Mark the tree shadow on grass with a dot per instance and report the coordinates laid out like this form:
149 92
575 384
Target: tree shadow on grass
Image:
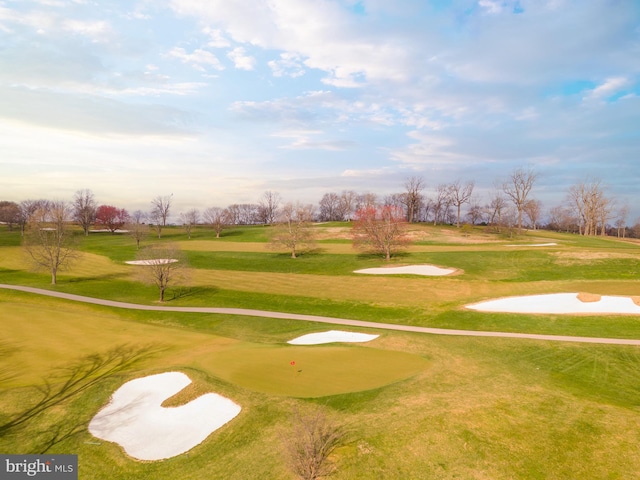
66 384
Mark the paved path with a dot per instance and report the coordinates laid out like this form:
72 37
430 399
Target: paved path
331 320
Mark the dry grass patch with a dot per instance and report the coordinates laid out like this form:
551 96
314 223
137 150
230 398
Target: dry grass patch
582 257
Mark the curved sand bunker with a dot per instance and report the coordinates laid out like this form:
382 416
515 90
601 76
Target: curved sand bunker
559 303
332 336
156 261
430 270
135 419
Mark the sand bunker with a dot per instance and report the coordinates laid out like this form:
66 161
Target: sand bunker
135 419
430 270
560 303
155 261
332 336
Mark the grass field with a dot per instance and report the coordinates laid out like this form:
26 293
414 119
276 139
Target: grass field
415 406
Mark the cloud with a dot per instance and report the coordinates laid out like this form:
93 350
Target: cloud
302 141
290 65
241 60
608 88
198 59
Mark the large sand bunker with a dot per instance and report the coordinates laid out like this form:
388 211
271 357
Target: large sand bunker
332 336
135 419
430 270
560 303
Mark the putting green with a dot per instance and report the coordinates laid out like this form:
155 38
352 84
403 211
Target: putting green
312 371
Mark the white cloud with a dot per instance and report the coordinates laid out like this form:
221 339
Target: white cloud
290 65
609 87
241 60
198 59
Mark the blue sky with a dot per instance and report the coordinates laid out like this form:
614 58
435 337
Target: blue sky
219 101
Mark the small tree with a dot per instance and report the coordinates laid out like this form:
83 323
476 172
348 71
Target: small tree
381 229
517 188
189 220
9 213
459 195
310 442
160 208
110 217
294 230
84 209
136 227
217 217
163 266
48 239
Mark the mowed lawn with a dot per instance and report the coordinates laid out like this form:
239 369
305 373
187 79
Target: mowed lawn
415 406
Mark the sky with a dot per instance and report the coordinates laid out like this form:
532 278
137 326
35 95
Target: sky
218 101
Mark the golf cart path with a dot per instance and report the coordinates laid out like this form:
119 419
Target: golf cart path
320 319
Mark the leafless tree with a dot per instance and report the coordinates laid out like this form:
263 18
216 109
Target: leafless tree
476 212
190 219
440 204
136 227
621 220
380 229
84 209
163 266
588 201
562 219
412 197
348 200
533 210
160 209
49 240
330 208
517 188
459 195
364 200
293 230
216 217
268 207
9 213
310 442
27 210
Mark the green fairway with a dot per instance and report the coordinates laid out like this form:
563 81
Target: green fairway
415 405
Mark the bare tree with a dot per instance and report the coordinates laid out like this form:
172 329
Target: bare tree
136 227
189 220
84 209
48 239
459 195
381 229
621 220
330 208
364 200
9 213
310 442
27 210
588 201
268 207
440 204
294 230
216 217
163 266
412 197
533 210
517 188
347 204
160 208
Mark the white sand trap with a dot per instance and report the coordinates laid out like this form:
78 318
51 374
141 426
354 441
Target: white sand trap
430 270
135 419
533 245
156 261
332 336
559 303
